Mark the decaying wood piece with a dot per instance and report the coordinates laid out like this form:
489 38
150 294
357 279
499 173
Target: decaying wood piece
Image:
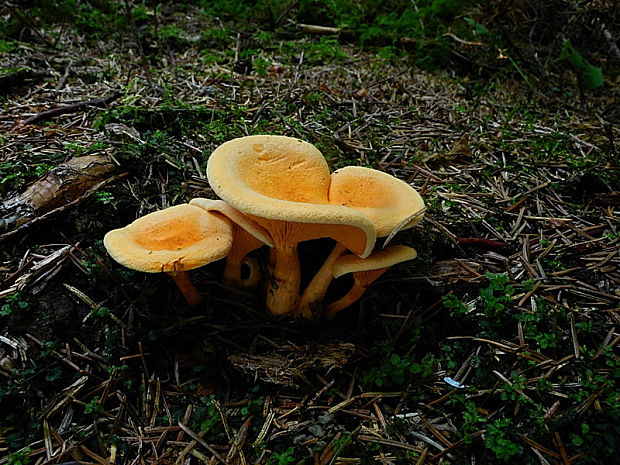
60 186
289 365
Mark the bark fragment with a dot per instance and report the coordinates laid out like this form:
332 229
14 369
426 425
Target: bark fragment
63 184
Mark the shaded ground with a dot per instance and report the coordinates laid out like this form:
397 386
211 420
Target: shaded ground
497 344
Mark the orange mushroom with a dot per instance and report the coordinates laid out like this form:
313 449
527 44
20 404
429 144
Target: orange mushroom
391 205
247 236
173 241
282 183
365 271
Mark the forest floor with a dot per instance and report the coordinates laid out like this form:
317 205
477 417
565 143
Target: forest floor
497 344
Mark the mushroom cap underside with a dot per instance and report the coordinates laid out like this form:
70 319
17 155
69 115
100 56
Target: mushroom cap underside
383 258
234 215
178 238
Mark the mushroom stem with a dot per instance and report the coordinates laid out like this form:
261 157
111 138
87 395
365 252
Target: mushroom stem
243 244
362 280
283 288
271 263
247 236
254 274
353 296
317 288
187 288
233 272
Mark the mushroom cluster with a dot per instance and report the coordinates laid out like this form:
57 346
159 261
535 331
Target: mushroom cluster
277 191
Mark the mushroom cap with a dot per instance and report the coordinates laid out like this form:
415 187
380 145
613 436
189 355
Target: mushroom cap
285 179
178 238
386 200
234 215
383 258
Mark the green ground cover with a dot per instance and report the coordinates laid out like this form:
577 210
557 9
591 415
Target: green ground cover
498 344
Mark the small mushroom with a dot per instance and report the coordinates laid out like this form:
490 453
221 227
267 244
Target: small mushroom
173 241
365 271
391 205
247 236
282 183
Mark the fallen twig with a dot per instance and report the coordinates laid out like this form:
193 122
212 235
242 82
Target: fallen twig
72 108
480 242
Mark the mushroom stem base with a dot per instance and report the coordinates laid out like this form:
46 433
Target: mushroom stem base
355 294
362 280
187 288
283 287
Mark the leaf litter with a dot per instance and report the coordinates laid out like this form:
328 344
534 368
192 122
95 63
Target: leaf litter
100 365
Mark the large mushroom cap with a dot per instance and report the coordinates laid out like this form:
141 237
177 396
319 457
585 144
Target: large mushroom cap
285 179
178 238
386 200
277 169
384 258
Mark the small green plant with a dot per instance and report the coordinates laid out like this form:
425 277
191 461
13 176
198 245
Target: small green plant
472 418
261 66
101 312
339 443
585 435
511 389
312 98
498 440
496 296
209 417
93 406
254 406
79 150
170 32
534 325
218 130
13 175
215 38
106 198
590 76
13 303
42 168
394 370
21 457
6 46
477 28
49 347
326 49
454 304
53 374
282 458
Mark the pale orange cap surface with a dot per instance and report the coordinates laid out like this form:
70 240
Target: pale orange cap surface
178 238
285 179
386 200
